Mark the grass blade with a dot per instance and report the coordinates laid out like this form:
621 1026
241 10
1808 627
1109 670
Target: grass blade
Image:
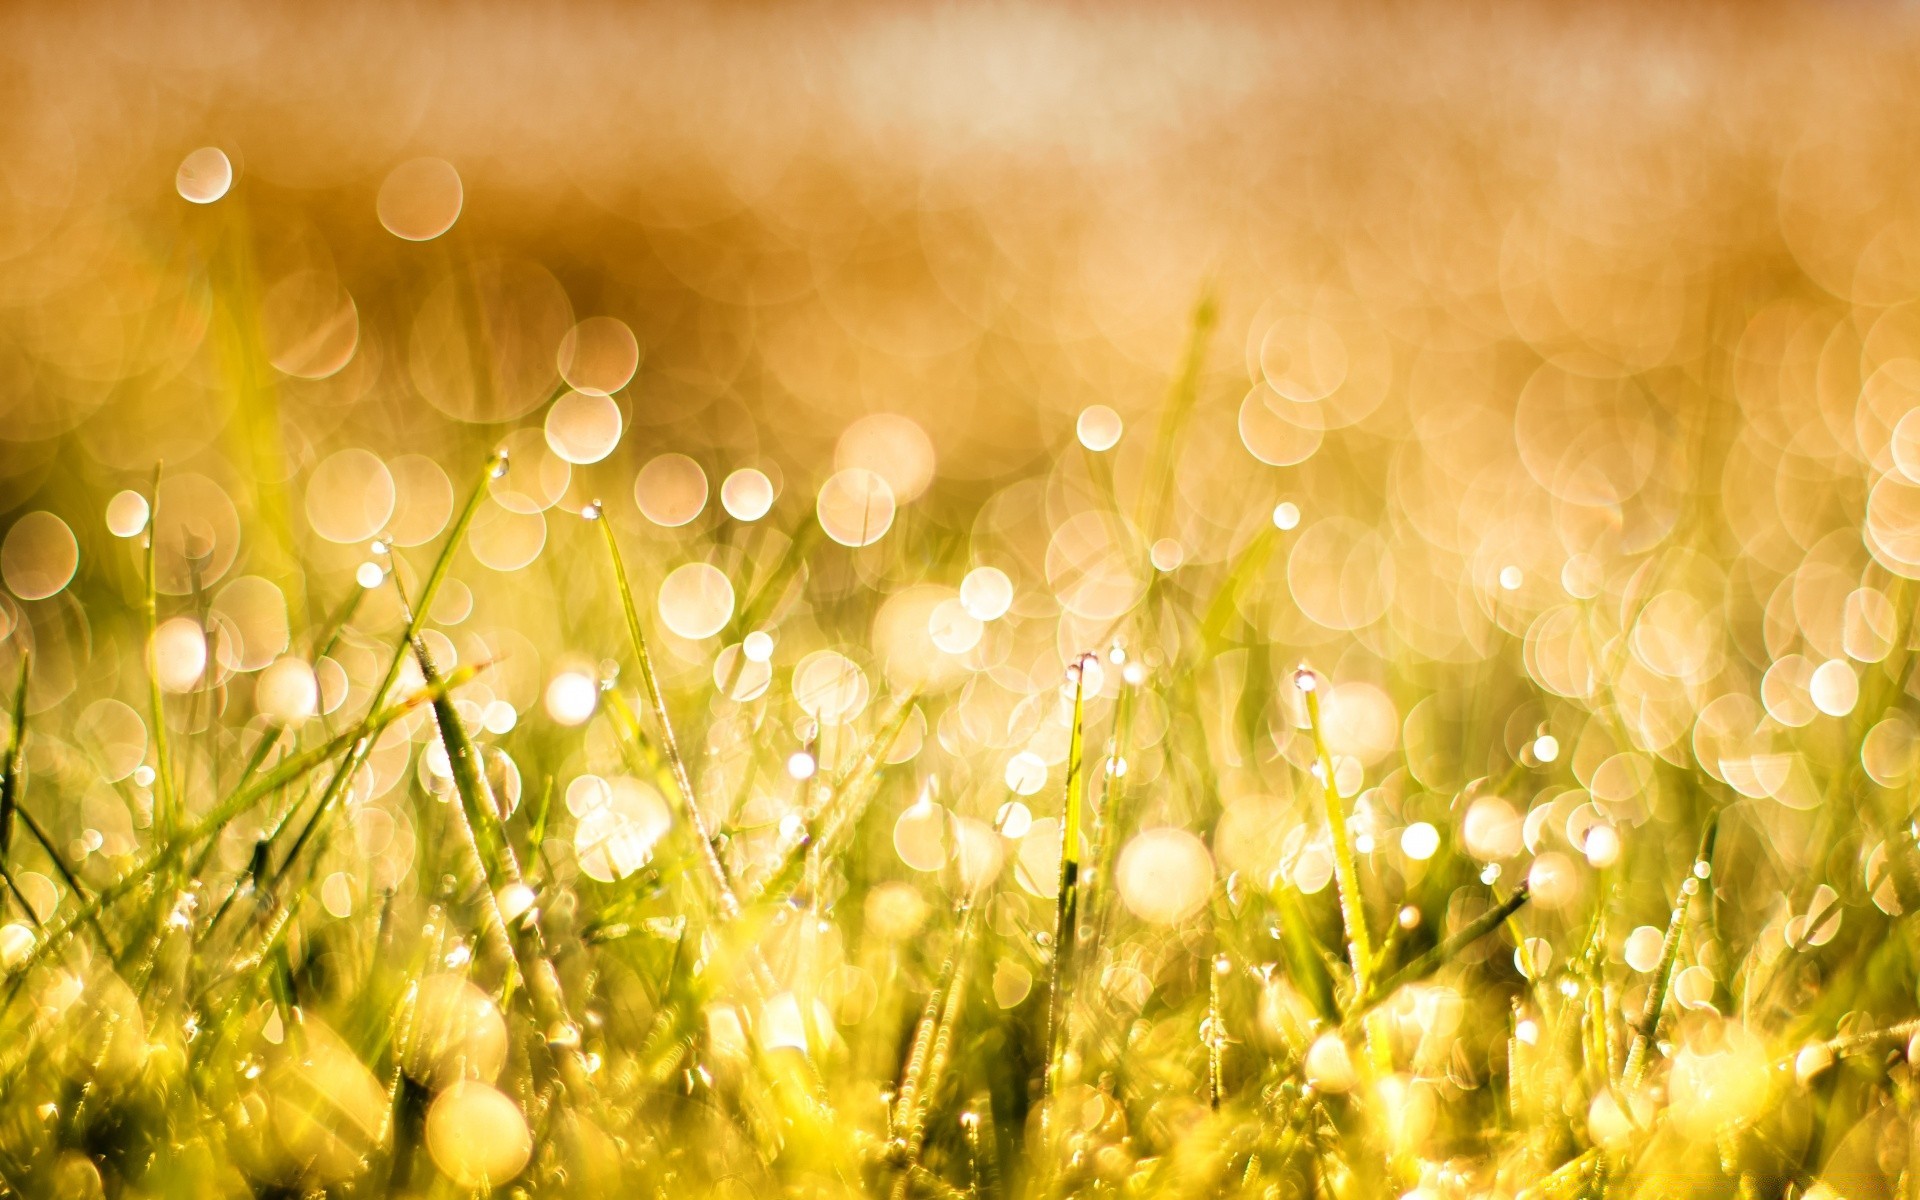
496 466
1067 905
165 800
727 900
932 1052
1644 1030
12 770
286 772
1346 871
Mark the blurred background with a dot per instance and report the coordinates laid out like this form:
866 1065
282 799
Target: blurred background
1571 350
1545 375
1562 349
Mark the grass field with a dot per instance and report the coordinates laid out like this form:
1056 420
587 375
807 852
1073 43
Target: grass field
997 602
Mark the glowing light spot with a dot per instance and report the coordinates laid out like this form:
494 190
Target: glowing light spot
583 427
422 500
1099 428
1011 983
1582 576
39 556
829 687
747 494
1711 1088
1277 430
505 540
336 895
741 677
515 901
1834 687
1419 841
309 325
178 655
891 446
953 628
587 793
204 175
855 507
116 735
455 1032
478 1136
1546 748
1491 829
800 765
986 593
1510 578
1554 881
16 943
1808 1064
420 200
196 533
1164 875
696 600
1786 691
671 490
127 514
1026 773
499 718
1037 863
920 836
571 697
1286 515
369 575
758 646
287 691
1313 869
1329 1066
616 836
1602 846
598 356
1167 554
1013 820
978 854
1693 988
1533 959
350 496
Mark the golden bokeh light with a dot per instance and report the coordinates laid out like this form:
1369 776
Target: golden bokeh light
969 601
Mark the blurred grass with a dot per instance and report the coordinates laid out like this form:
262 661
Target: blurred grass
1546 379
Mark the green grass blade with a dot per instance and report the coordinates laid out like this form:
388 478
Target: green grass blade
1067 903
1644 1030
165 797
288 770
13 769
495 467
726 899
1346 871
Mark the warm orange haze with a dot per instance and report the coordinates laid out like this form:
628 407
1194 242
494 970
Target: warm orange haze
959 601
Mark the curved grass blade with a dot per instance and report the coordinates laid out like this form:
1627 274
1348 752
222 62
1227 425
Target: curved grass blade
165 799
932 1052
727 901
1067 906
286 772
13 769
840 812
1442 954
1346 871
1644 1030
496 466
